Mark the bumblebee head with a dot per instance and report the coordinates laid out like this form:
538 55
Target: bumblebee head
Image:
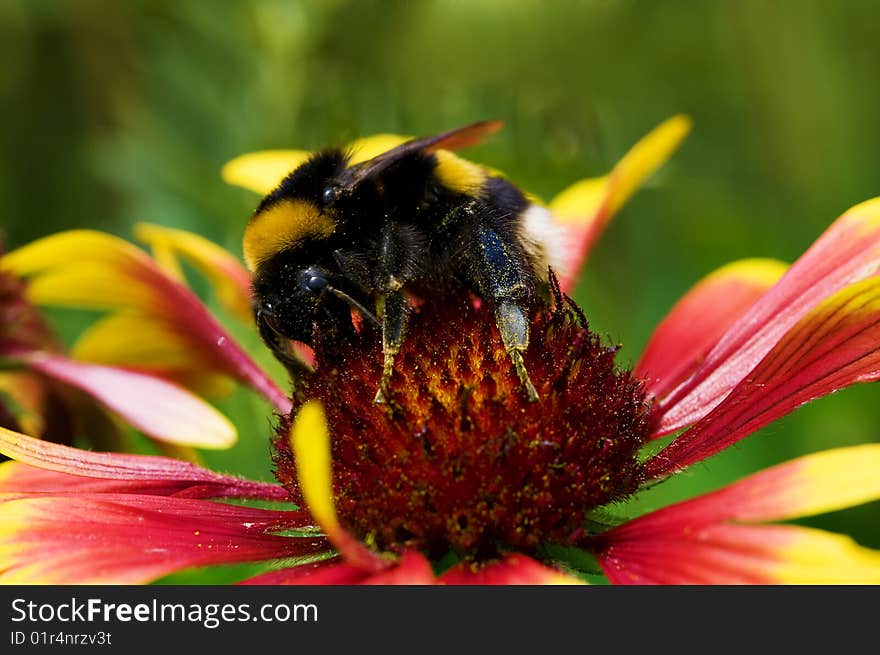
285 246
297 211
293 299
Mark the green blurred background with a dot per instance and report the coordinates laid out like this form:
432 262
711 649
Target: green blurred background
117 112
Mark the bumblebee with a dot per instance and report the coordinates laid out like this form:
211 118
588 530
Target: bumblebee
416 220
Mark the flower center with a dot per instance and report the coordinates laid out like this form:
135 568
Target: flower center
459 459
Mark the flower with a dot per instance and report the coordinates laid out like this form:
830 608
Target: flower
459 479
40 378
178 339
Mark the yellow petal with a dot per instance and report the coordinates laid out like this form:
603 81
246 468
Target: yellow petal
580 201
137 341
262 171
92 286
85 268
373 146
228 277
819 557
64 249
583 210
819 483
310 440
166 258
606 195
644 158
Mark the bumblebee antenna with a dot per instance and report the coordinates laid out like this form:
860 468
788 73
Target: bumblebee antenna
354 304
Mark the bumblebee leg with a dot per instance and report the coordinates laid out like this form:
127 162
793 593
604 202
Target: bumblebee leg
394 320
396 252
502 278
514 330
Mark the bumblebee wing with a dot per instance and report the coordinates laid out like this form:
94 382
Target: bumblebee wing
457 139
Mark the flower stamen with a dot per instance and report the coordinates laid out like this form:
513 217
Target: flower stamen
459 459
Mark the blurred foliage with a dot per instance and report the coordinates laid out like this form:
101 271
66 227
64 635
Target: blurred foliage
117 112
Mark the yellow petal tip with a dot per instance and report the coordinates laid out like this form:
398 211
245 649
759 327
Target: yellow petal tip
262 171
310 442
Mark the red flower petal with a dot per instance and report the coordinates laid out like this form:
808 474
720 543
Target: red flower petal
90 269
412 569
131 539
24 480
696 322
848 251
158 408
512 570
813 484
738 554
325 572
229 278
73 470
834 346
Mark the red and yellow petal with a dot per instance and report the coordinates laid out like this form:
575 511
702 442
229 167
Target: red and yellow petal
835 345
88 269
85 268
848 252
697 321
18 479
712 539
64 249
95 270
197 358
47 467
228 277
158 408
584 209
130 539
158 349
737 554
412 569
325 572
813 484
514 569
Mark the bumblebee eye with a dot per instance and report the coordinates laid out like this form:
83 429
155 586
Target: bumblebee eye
329 195
313 280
